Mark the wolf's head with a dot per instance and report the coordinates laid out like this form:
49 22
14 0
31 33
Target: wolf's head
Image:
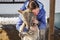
28 15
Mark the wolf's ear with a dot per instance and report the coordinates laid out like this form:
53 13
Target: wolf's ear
20 11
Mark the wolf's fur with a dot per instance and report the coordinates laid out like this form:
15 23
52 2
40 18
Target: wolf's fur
26 17
3 35
32 35
27 20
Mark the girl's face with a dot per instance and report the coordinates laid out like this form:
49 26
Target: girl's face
35 11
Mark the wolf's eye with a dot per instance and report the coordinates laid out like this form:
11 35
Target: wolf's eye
33 24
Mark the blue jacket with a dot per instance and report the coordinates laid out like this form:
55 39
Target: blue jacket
40 16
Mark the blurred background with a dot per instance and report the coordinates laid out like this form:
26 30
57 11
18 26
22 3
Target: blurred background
9 16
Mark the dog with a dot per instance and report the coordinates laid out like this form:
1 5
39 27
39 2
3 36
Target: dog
26 17
3 35
32 34
28 21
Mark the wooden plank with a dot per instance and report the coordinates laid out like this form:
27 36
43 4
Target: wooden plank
51 20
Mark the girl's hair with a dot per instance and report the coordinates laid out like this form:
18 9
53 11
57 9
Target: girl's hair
33 5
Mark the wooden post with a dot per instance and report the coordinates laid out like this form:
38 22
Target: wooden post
51 20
